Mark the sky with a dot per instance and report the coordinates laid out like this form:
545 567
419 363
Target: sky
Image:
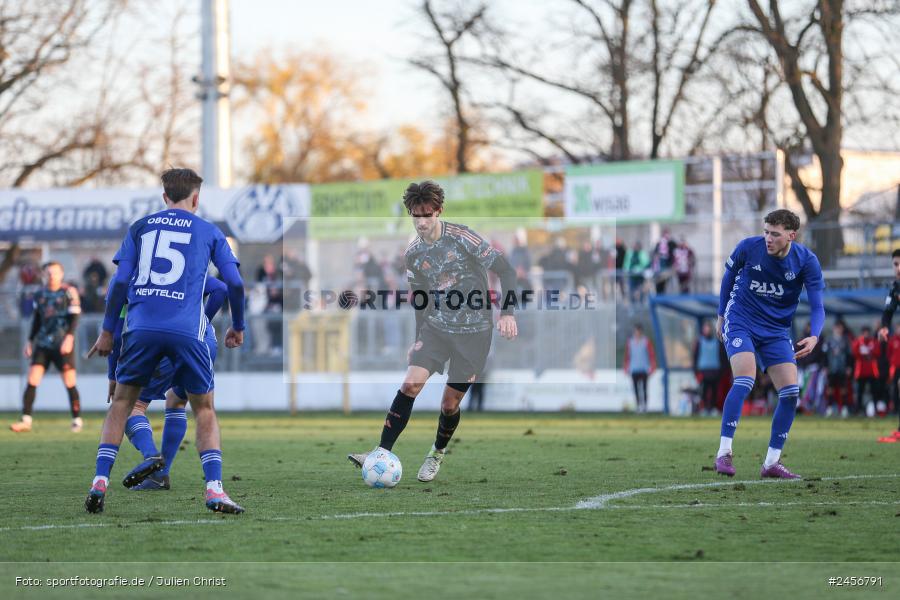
368 32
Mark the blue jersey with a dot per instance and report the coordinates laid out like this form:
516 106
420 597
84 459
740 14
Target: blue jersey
171 251
766 289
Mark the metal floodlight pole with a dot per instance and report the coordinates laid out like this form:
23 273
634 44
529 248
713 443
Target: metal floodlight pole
214 82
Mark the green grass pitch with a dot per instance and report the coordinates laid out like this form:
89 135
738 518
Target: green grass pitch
500 518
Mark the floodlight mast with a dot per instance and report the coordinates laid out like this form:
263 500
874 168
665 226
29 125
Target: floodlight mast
215 86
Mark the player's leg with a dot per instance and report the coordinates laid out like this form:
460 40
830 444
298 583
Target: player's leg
784 378
428 355
448 421
209 446
193 362
175 426
141 434
468 356
743 368
398 415
35 374
110 438
66 366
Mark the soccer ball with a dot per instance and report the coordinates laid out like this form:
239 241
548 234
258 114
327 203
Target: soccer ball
382 469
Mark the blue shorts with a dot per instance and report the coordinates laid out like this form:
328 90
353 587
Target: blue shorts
770 347
143 350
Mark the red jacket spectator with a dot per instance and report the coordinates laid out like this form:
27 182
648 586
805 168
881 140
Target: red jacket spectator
866 351
894 354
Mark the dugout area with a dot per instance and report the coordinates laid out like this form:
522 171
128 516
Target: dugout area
677 319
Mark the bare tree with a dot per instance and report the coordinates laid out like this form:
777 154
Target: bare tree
452 28
70 97
630 69
797 54
37 38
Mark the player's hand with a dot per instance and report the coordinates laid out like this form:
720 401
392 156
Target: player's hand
507 327
883 334
68 344
28 350
415 347
233 338
720 321
103 345
806 346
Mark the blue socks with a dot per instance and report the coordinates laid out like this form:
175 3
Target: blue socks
734 402
173 433
212 464
784 415
140 434
106 456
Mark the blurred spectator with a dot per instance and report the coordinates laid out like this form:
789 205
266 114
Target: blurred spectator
94 289
684 262
30 278
894 372
621 252
662 259
520 260
707 367
371 269
556 267
297 275
96 271
866 351
587 264
271 276
811 373
640 362
838 361
257 301
636 263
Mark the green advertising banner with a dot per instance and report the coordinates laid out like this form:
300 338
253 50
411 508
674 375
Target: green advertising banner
375 208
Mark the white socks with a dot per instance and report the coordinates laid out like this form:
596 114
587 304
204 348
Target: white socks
26 419
772 457
215 486
724 446
105 480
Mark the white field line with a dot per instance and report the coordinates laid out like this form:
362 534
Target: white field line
601 502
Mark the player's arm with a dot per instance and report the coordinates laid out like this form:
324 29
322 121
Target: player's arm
890 306
115 300
815 285
36 321
72 315
216 292
507 322
733 266
225 261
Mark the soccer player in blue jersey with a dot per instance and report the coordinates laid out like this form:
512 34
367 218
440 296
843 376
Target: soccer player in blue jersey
760 293
162 268
162 387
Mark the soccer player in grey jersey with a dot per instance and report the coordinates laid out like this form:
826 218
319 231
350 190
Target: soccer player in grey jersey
447 270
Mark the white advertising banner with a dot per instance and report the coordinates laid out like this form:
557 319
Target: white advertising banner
626 192
252 214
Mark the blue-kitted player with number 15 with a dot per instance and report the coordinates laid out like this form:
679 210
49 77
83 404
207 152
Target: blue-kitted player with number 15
162 268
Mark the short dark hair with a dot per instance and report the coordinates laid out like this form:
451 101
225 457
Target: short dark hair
783 217
51 263
425 193
866 329
896 253
180 183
